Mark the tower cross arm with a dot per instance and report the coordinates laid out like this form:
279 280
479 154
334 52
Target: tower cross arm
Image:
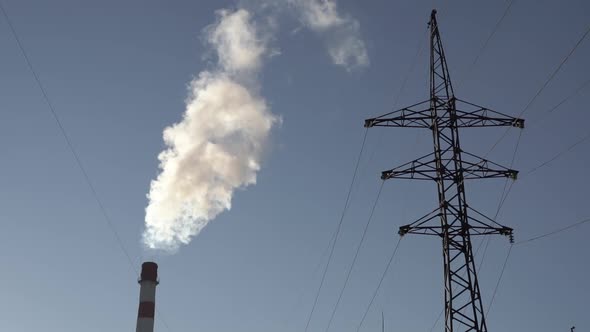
477 225
472 167
471 115
414 116
454 112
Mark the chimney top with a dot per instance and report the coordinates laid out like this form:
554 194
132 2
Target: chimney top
149 272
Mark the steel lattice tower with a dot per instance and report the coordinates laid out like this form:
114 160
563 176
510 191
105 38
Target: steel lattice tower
449 166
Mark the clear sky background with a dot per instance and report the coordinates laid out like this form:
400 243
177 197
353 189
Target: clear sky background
116 72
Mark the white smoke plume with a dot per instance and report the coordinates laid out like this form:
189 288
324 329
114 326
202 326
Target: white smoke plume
217 147
342 33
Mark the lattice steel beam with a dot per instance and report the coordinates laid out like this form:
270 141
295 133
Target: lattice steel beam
449 166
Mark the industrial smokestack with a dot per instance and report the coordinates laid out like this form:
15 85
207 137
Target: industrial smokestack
147 297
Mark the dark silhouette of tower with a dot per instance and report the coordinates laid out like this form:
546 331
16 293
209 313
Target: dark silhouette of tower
454 221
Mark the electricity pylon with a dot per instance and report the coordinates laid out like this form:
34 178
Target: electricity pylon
449 166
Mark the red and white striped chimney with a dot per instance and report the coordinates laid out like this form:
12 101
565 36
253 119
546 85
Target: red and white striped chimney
147 297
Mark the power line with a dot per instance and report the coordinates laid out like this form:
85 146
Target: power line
337 231
543 235
358 249
527 241
335 235
562 102
70 145
578 90
67 139
485 44
313 274
532 100
561 64
420 48
503 198
520 137
499 280
379 285
545 163
563 229
534 169
506 192
555 71
558 155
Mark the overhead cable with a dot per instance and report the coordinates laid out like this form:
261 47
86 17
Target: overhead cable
70 145
358 249
538 93
485 44
391 257
337 230
563 229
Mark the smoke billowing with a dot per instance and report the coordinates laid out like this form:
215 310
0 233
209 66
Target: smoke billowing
340 32
217 146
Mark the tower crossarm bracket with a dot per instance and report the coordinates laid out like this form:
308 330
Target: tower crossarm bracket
472 115
473 167
465 115
415 116
477 225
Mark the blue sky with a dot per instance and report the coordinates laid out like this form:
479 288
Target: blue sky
117 74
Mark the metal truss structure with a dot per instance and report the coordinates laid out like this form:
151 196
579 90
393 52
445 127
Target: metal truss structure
449 166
